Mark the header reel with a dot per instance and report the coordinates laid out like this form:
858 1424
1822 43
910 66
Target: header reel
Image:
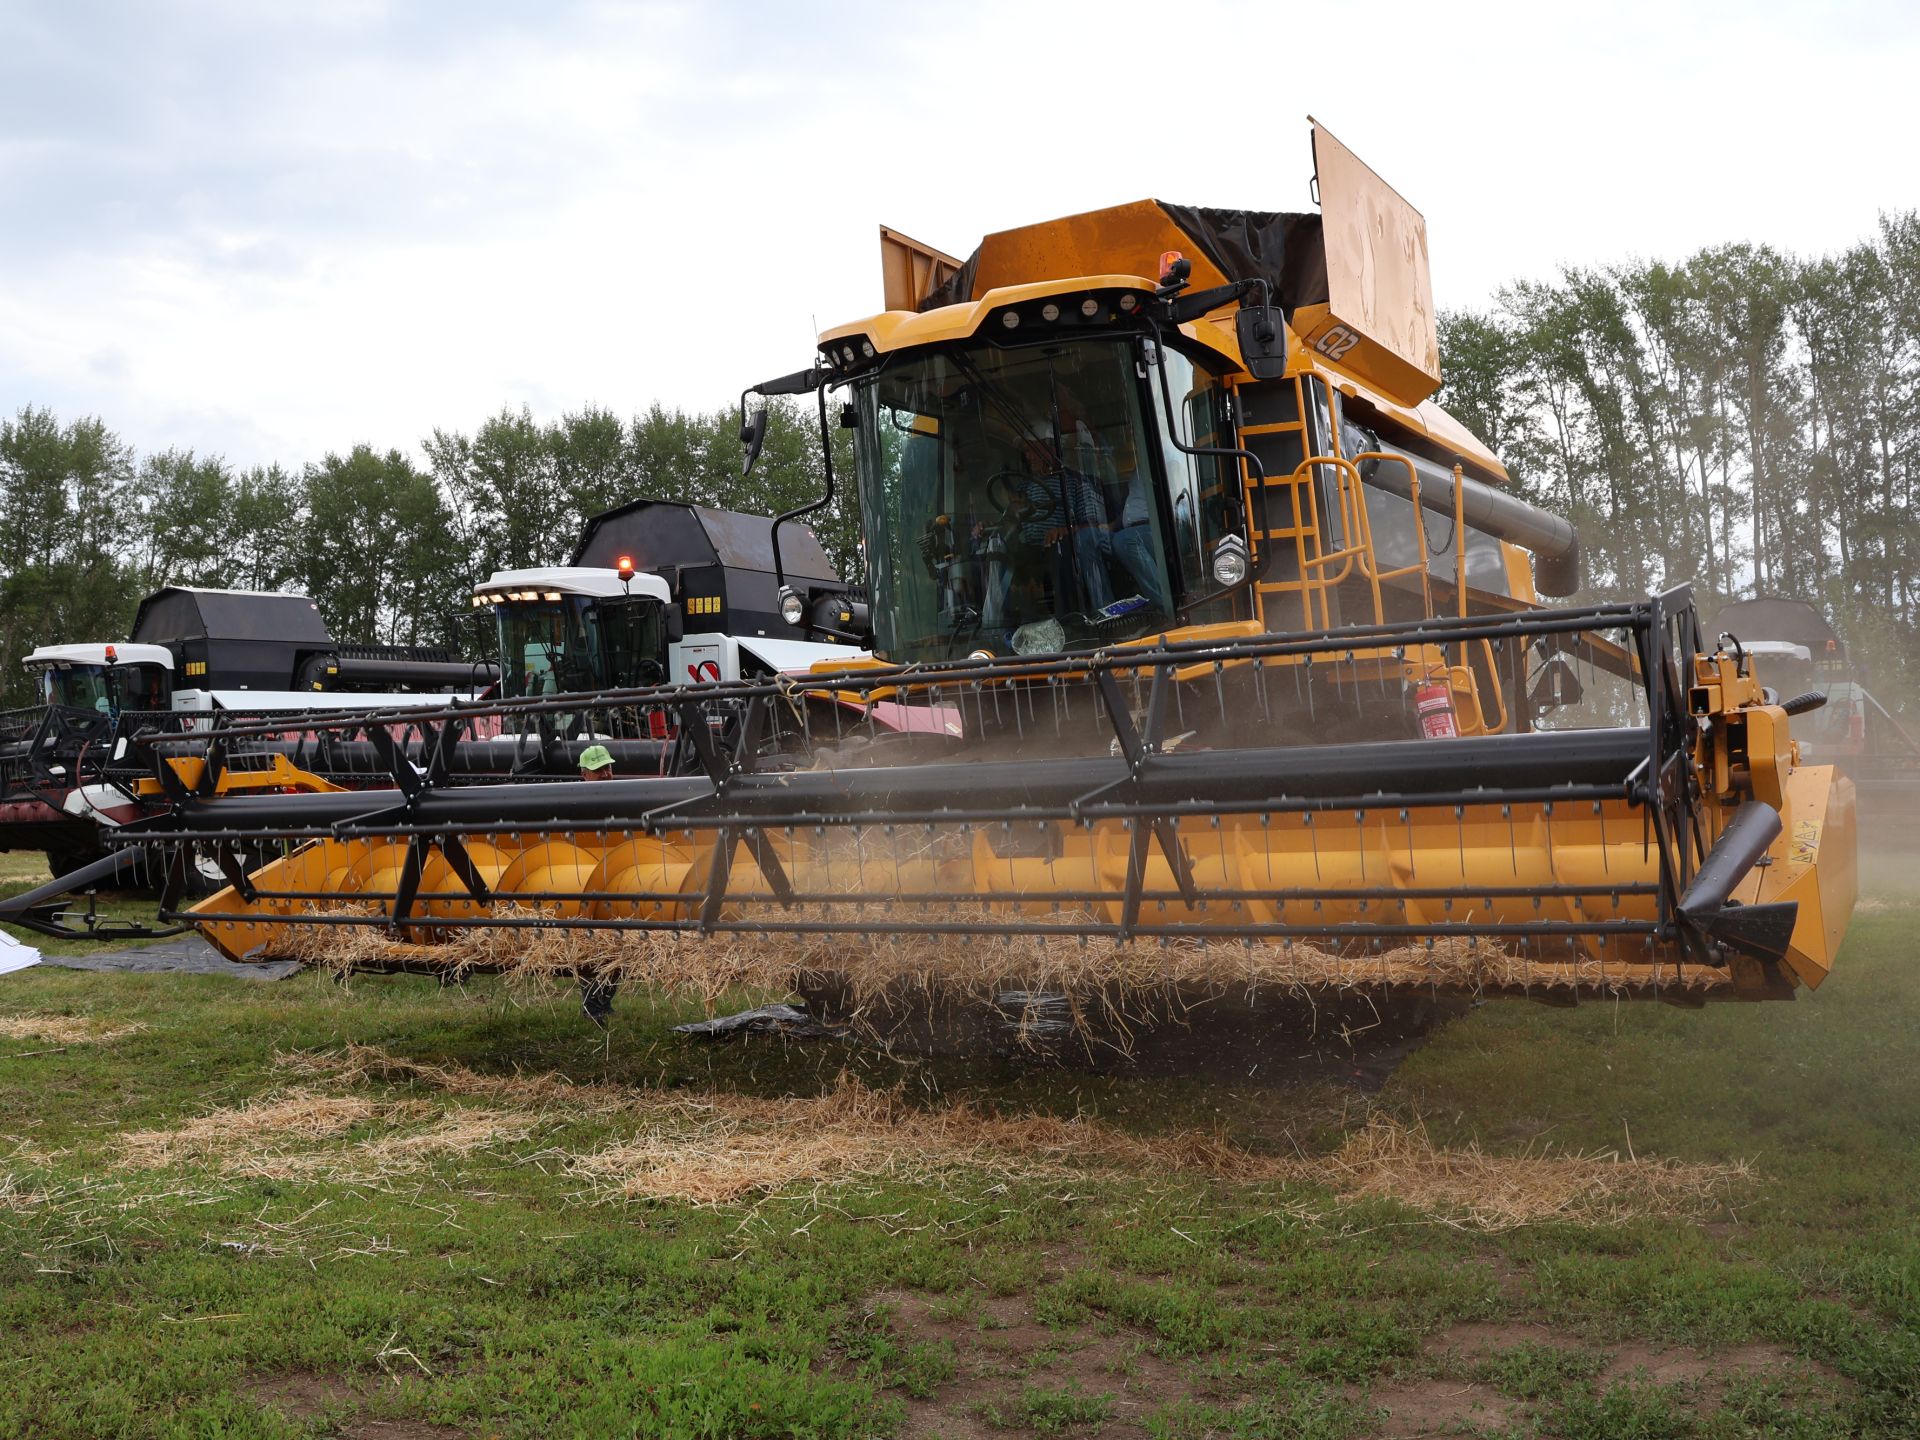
1651 856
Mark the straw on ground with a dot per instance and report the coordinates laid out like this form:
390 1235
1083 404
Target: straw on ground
65 1029
720 1147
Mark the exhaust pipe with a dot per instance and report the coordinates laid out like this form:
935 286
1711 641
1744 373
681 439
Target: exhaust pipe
1551 538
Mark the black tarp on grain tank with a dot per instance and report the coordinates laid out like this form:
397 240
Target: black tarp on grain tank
1282 248
704 554
247 640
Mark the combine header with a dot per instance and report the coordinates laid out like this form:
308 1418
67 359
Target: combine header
1223 663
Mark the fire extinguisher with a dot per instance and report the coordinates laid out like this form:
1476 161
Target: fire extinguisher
1434 702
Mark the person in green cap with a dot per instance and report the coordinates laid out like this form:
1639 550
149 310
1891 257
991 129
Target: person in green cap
596 763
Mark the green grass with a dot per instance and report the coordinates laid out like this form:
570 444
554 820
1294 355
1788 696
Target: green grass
497 1294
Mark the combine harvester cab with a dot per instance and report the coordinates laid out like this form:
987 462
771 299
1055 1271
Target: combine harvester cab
50 798
658 594
1226 668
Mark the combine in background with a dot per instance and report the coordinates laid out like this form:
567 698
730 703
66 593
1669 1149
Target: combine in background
1799 654
657 593
663 592
194 655
120 731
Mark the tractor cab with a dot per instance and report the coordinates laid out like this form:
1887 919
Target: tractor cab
1037 489
106 679
565 630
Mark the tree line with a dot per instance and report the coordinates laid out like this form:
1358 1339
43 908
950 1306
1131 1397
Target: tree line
1746 420
389 546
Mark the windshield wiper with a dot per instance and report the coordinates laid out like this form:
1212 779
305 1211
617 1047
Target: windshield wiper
1008 409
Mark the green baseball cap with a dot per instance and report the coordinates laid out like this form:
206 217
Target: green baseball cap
595 757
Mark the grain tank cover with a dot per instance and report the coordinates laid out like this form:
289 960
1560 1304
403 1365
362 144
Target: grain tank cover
178 613
1353 280
719 563
1282 249
243 639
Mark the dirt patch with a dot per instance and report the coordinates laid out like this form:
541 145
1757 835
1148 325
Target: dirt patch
303 1394
64 1029
1439 1407
1001 1349
955 1419
399 1430
1677 1365
308 1395
1512 1279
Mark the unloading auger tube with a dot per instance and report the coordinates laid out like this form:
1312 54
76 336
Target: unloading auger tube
1162 793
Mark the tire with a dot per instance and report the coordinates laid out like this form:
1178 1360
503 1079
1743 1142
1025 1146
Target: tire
63 860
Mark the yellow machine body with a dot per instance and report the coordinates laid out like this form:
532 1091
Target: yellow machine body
1526 893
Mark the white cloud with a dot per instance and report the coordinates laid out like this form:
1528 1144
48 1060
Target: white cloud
277 232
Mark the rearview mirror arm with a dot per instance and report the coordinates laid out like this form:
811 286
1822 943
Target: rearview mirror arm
826 497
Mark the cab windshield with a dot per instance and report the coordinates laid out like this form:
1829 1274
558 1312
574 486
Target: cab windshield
105 688
574 644
544 648
1013 501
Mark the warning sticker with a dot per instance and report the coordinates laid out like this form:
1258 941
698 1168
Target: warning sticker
1806 843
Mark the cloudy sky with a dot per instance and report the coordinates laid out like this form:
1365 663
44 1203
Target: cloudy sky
269 230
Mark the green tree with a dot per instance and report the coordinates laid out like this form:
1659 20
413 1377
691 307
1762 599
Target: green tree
507 503
265 522
593 461
181 521
62 571
377 549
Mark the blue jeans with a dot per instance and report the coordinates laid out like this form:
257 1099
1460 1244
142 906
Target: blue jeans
1091 547
1133 547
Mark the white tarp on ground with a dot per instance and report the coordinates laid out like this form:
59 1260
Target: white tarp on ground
14 955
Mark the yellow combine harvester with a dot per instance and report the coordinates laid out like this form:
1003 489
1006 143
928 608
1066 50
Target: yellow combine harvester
1211 649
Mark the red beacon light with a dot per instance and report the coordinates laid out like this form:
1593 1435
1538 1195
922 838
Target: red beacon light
112 655
624 567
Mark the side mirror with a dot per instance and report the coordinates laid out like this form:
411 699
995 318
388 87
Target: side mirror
1262 332
753 435
676 625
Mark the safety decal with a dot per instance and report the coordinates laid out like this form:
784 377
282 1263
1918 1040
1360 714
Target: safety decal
1806 842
